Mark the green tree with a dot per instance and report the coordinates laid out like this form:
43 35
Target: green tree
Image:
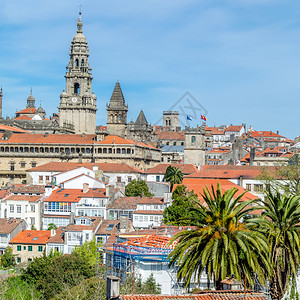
286 179
89 251
137 188
222 242
7 259
180 211
279 222
173 176
52 226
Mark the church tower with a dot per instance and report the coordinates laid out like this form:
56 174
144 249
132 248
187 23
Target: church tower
117 113
77 103
30 101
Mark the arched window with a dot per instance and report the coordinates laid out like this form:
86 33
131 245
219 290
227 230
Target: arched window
193 139
82 62
76 63
76 88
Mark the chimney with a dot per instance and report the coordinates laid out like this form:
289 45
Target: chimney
123 223
29 234
112 288
121 187
53 232
80 158
48 190
85 188
95 168
110 190
252 156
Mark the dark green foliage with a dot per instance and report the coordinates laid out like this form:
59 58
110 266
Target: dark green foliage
51 275
15 288
279 222
139 287
173 176
180 210
222 241
52 226
137 189
89 289
7 259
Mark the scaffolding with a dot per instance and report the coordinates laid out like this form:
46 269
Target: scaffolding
122 257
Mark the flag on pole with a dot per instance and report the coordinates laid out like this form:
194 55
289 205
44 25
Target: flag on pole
189 118
203 118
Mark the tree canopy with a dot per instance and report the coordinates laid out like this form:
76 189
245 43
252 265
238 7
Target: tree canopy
174 176
137 188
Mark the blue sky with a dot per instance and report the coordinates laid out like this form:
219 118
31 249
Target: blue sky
239 58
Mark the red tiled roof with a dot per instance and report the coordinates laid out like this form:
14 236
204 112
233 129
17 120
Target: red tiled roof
65 195
27 111
161 168
151 200
102 230
171 135
215 130
124 203
234 128
58 238
205 295
257 134
8 225
230 172
93 226
56 139
11 128
116 140
198 184
94 193
67 166
34 189
39 237
23 118
30 198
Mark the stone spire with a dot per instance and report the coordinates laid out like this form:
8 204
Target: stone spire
79 24
117 99
141 119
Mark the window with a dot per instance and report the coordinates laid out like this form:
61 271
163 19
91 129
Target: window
47 179
258 188
76 88
82 221
136 218
87 236
157 267
18 260
23 164
41 179
119 179
24 247
29 248
193 139
12 166
32 208
129 178
174 143
11 208
18 209
145 218
32 221
19 248
157 178
33 164
248 187
40 248
141 218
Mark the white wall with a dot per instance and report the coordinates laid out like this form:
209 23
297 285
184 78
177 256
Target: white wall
77 183
61 177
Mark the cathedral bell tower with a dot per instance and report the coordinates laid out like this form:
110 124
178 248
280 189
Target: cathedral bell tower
78 108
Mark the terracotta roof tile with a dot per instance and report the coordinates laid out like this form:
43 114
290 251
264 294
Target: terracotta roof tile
161 168
151 200
8 225
171 135
58 238
128 203
93 226
102 230
198 184
148 212
11 128
236 128
34 189
27 111
30 198
23 118
65 195
39 237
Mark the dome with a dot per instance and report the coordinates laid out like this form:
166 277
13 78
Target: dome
31 97
36 117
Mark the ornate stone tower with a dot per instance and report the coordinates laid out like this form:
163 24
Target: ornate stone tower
30 101
117 113
194 146
78 104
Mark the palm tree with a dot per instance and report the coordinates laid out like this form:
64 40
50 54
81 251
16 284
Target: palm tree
173 176
222 242
279 222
